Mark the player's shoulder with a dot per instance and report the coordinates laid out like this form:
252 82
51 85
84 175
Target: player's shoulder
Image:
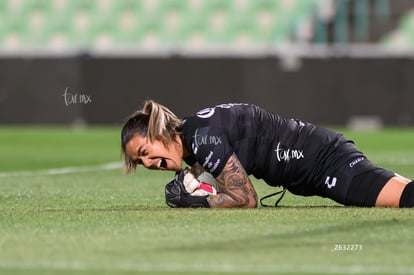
221 115
227 109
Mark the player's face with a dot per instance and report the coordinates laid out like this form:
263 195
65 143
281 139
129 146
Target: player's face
154 155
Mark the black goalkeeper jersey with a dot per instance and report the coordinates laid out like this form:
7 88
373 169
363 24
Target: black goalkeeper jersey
282 152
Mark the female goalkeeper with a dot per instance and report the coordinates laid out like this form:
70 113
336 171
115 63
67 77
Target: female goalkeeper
233 141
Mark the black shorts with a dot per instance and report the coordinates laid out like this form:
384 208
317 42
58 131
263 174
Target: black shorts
352 179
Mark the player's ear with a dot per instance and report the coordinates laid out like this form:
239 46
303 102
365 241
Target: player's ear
179 142
177 139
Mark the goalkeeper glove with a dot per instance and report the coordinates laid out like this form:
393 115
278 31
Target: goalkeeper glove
176 196
200 186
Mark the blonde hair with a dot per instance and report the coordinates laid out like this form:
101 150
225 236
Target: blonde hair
154 121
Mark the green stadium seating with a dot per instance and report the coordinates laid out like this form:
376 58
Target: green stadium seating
403 37
141 24
407 28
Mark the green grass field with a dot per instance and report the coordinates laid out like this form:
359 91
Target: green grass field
66 207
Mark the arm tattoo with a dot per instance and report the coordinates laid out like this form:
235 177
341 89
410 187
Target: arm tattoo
235 186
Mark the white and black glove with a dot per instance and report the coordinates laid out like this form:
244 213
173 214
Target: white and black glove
199 184
177 196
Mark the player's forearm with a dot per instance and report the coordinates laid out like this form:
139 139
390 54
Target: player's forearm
235 187
236 191
223 200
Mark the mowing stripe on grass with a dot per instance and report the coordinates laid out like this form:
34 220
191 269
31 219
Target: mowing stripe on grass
63 170
211 267
391 160
117 165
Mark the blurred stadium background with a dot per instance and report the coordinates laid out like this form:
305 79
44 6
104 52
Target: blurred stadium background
87 62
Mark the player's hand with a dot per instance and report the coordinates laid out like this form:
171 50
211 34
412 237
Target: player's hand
176 196
174 190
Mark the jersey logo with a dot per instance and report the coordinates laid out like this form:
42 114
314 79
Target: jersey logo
286 154
205 139
206 113
330 184
209 112
356 161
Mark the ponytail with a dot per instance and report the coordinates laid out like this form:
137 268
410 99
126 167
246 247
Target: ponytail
154 121
162 122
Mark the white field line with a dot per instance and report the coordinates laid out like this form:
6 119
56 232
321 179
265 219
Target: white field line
222 268
63 170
